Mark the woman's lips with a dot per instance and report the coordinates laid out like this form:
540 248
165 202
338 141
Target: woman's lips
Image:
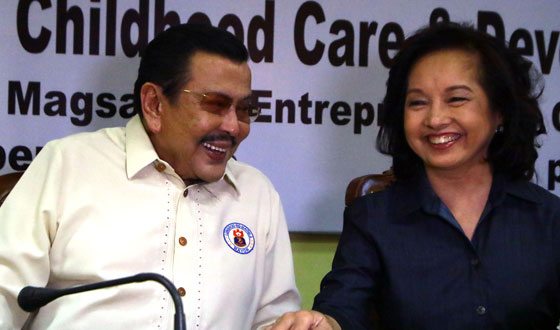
443 138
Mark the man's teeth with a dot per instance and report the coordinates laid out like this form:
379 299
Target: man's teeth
443 139
213 148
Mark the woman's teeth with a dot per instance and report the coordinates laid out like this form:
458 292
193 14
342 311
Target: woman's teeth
443 139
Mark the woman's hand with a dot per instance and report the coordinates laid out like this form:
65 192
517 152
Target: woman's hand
304 320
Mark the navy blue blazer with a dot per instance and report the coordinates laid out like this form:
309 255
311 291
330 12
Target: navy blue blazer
402 253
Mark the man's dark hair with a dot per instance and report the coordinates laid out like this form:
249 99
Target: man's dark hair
509 81
165 59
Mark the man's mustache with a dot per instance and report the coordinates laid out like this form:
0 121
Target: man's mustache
220 137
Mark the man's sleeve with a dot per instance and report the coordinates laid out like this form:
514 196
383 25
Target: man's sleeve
27 224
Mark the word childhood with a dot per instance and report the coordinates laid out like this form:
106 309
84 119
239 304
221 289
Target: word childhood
339 41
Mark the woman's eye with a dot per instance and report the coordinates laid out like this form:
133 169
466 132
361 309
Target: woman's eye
457 99
415 103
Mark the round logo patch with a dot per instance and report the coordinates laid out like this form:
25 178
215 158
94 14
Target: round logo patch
239 237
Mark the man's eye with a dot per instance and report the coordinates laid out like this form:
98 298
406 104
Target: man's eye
244 107
217 102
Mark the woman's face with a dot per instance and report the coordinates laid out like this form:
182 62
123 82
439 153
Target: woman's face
447 118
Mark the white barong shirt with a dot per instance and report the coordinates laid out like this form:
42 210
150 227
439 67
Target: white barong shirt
102 205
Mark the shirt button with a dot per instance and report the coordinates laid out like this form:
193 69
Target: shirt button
182 241
475 262
185 193
160 167
182 292
481 310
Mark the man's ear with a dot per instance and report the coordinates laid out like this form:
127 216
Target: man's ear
151 98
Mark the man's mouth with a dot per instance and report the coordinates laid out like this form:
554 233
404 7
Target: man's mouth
218 143
214 148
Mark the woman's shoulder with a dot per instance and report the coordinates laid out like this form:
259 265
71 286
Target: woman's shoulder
395 197
534 193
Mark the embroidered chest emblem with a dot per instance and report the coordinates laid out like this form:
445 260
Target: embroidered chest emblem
239 237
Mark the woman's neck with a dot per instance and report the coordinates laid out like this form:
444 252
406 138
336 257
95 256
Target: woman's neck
473 179
465 194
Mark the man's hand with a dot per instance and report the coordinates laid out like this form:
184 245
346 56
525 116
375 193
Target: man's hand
304 320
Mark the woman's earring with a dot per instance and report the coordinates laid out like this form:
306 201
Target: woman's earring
500 129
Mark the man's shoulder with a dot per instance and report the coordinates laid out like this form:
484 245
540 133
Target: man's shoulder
104 136
244 171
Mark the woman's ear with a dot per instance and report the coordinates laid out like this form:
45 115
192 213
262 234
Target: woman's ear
151 98
500 122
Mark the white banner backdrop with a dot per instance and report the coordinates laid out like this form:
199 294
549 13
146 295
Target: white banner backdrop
319 68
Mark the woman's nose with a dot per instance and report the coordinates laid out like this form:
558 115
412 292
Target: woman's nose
437 115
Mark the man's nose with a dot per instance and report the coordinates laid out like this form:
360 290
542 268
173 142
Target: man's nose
230 121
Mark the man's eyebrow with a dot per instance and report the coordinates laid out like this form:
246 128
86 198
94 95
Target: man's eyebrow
243 98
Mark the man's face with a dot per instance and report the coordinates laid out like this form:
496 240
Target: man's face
189 135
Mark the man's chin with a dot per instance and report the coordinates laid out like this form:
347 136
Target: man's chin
212 175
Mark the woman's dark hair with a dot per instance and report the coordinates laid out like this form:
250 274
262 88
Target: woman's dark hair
508 79
165 59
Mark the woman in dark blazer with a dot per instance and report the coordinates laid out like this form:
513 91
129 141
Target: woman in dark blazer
463 239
